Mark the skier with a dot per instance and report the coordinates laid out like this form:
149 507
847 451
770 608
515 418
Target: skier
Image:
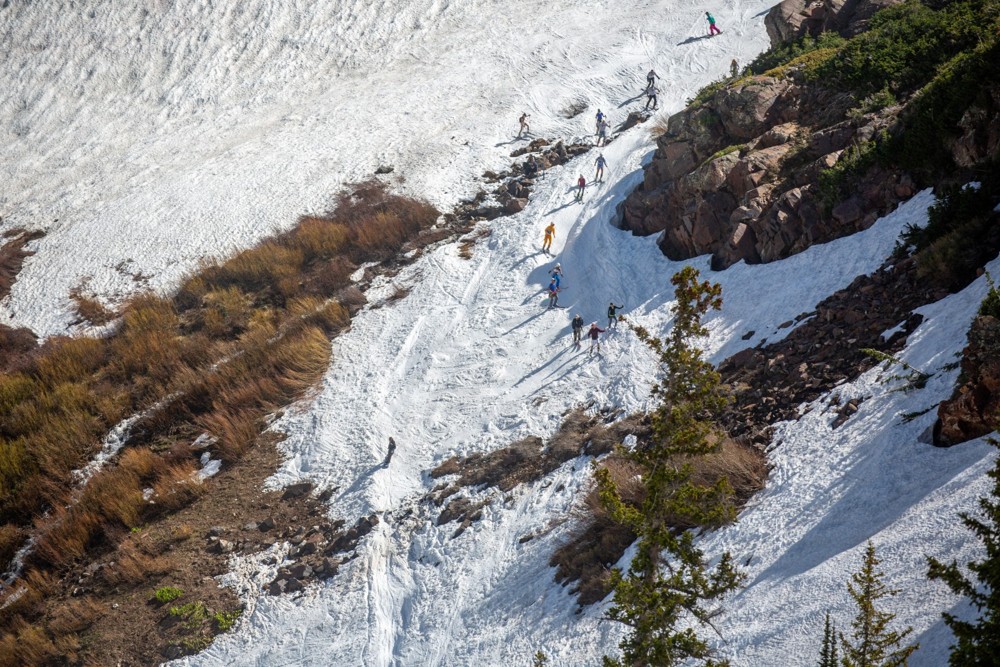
556 274
550 233
523 120
712 30
595 337
600 119
577 330
651 77
388 456
602 133
581 184
553 294
601 164
651 97
612 317
734 68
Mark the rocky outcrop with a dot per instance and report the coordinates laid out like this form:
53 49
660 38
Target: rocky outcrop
736 176
771 382
974 409
980 126
792 19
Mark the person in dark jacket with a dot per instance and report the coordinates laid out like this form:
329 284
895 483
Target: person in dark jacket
612 317
577 329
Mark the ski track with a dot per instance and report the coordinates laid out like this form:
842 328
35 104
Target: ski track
146 138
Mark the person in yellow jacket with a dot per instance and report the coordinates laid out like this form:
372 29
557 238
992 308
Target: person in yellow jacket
550 233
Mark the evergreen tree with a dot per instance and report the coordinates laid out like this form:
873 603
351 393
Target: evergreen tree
828 652
541 660
977 643
669 581
872 644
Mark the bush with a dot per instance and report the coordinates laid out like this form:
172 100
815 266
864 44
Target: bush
990 307
167 594
904 46
784 54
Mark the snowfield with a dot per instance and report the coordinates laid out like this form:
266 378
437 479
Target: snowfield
163 133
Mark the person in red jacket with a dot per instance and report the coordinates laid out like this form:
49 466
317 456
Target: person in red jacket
581 184
595 337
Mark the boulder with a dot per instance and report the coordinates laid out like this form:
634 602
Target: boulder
972 410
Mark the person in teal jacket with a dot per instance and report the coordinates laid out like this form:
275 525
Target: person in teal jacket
712 30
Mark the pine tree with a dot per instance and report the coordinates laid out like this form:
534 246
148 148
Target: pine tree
872 644
828 652
669 581
977 643
541 660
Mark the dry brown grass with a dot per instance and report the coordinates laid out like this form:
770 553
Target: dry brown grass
27 646
133 565
470 241
241 339
89 308
226 312
177 486
11 539
599 542
75 615
319 238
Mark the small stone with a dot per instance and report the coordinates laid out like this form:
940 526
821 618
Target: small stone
215 531
266 525
293 586
301 571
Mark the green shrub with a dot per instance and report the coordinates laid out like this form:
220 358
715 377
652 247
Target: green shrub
167 594
781 56
904 46
225 620
991 302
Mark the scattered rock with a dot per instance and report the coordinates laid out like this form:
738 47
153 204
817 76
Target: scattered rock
384 169
297 490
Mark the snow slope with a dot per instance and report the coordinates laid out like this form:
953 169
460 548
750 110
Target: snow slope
145 136
162 133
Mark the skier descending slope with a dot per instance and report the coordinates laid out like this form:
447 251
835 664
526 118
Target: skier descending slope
612 317
595 337
651 77
581 185
553 290
601 164
550 233
556 274
577 330
525 128
651 97
712 30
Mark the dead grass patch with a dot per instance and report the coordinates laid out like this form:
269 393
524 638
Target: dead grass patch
12 256
469 242
132 564
241 339
586 558
75 615
89 308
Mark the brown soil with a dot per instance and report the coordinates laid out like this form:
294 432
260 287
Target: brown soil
14 343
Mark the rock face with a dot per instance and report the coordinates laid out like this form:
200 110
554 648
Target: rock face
792 19
736 176
974 408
